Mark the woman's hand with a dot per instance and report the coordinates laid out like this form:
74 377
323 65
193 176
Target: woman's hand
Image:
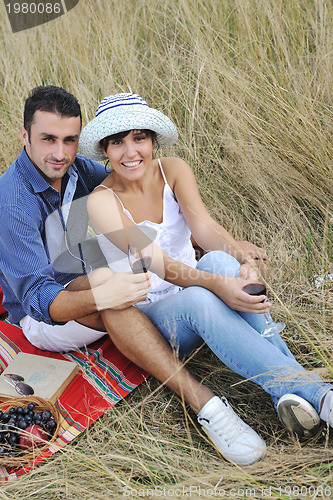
254 258
250 252
248 273
230 290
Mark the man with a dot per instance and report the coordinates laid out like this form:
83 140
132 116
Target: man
56 304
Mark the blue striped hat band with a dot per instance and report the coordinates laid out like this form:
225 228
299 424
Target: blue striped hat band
114 101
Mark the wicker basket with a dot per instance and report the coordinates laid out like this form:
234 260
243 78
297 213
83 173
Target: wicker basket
32 453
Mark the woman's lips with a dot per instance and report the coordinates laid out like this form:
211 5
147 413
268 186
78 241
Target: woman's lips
131 165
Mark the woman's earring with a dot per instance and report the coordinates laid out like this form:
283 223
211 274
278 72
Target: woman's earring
107 170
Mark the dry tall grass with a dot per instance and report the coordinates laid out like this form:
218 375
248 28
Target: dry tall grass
248 83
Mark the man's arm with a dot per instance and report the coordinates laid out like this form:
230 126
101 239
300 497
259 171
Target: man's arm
29 273
102 289
25 265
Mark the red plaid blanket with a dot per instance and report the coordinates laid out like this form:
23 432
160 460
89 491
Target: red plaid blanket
105 377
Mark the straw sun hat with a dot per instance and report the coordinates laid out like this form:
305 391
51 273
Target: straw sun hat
122 112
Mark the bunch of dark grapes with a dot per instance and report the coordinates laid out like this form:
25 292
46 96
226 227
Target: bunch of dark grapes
15 420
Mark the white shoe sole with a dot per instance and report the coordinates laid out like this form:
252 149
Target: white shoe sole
298 416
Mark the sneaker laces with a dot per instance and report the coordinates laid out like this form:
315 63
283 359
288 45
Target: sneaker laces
226 423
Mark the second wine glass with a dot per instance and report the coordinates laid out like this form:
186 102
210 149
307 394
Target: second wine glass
140 258
271 328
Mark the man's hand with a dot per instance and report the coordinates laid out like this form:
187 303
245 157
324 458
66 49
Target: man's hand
121 291
101 289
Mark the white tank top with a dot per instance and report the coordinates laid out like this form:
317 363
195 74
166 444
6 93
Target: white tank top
173 237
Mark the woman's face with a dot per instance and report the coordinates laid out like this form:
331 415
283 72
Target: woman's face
131 155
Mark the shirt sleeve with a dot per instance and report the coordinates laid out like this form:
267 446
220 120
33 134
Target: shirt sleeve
25 264
91 171
100 173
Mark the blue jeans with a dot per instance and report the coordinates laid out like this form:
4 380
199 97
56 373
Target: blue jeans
195 314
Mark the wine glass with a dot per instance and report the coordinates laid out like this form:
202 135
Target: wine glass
140 258
271 328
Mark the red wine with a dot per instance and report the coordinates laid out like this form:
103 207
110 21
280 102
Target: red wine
141 265
255 289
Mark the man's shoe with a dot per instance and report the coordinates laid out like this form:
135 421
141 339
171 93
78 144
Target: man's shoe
298 416
234 439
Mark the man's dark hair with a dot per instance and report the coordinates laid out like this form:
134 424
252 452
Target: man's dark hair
51 99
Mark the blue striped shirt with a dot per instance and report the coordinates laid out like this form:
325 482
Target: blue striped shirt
28 279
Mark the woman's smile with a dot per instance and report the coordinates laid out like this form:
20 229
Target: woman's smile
131 165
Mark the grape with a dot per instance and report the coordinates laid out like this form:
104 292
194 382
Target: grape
22 424
46 415
15 420
13 440
51 424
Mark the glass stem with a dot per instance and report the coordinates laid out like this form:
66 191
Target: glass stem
268 318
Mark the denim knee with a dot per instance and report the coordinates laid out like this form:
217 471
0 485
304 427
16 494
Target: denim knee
218 262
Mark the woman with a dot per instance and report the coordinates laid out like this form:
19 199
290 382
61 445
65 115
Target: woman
188 301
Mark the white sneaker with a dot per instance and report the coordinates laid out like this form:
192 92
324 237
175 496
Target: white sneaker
298 416
234 439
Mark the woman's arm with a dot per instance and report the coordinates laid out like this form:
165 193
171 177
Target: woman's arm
107 218
207 233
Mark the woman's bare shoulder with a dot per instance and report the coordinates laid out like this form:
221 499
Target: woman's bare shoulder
173 162
174 168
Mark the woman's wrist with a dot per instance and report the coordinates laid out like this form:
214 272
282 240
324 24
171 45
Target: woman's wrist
215 283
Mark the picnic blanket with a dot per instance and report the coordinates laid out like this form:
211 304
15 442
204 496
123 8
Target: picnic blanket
105 377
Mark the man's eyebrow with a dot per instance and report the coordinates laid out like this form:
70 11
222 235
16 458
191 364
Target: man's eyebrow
52 136
45 134
71 137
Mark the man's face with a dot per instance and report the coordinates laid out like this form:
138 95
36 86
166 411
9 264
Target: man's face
53 144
